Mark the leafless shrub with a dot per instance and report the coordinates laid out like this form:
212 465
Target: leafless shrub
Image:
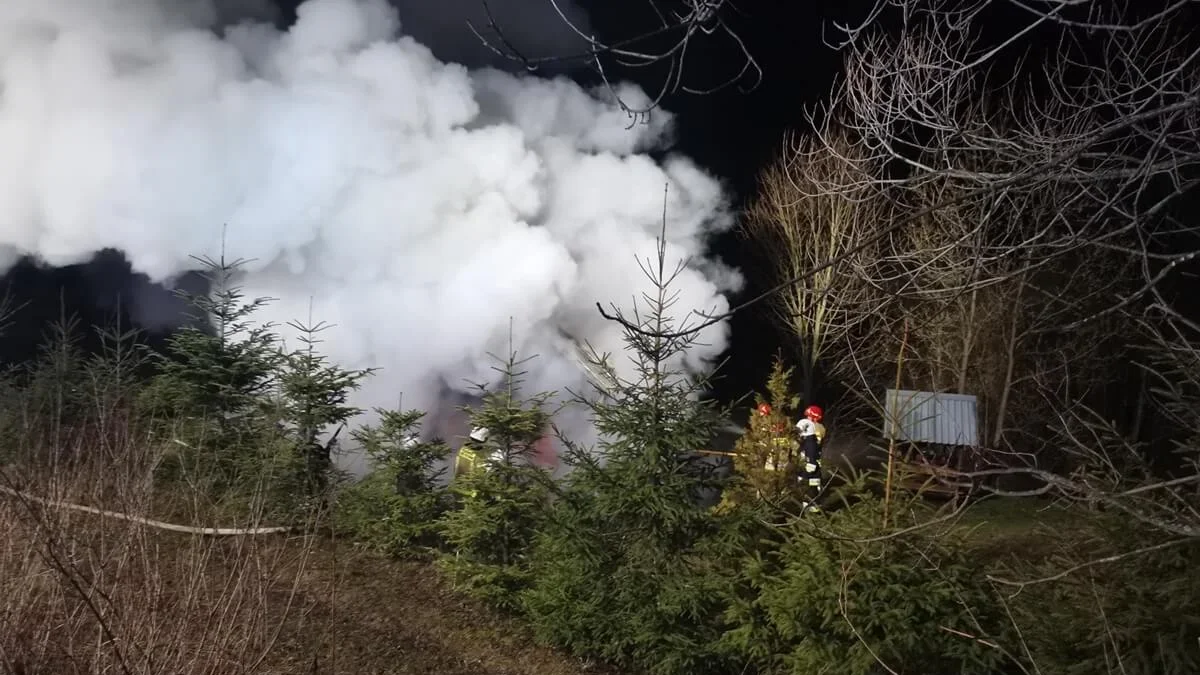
1110 126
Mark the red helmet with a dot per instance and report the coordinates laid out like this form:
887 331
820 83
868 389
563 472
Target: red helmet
764 409
814 413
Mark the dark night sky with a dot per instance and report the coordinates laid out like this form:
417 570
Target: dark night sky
732 133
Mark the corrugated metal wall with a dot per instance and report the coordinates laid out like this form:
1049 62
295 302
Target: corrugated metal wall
929 417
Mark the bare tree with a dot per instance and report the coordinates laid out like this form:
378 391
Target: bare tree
1094 147
1081 162
1111 111
1088 161
1115 136
983 296
1111 471
813 206
981 278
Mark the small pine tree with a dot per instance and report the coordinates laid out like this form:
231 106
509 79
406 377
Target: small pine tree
116 371
313 395
215 381
629 568
395 508
767 441
501 502
56 388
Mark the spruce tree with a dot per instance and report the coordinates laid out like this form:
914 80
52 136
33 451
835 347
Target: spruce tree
56 401
115 374
395 508
215 383
629 568
313 398
501 501
116 370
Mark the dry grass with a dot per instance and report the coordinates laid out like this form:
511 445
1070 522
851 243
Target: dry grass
81 593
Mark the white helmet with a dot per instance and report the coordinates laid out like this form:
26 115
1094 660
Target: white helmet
480 434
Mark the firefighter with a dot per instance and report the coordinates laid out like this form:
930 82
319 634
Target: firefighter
812 436
471 455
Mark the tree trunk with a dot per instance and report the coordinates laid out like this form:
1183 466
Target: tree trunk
968 342
1139 411
807 366
1010 366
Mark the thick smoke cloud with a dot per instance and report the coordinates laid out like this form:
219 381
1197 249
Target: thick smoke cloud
415 204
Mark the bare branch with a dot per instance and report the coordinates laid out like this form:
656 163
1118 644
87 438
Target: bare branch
680 23
1092 138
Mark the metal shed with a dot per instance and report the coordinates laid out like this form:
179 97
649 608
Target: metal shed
930 417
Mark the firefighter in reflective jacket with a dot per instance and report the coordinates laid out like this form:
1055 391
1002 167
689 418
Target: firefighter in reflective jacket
812 435
472 454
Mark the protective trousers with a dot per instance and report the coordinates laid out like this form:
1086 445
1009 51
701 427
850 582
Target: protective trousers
811 473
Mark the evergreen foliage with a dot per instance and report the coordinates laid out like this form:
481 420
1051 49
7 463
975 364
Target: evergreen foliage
396 507
503 501
833 595
227 371
1138 611
313 395
74 394
116 372
622 560
628 567
215 382
768 438
56 385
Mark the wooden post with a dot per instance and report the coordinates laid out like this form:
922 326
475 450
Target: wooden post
893 424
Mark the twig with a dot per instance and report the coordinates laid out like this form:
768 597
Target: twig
51 557
973 638
895 430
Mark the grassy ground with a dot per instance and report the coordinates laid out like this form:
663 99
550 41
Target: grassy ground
118 598
1021 527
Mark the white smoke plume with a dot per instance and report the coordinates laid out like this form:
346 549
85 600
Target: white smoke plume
415 204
